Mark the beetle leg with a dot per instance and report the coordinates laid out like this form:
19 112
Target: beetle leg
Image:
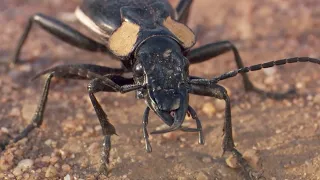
61 31
80 71
38 115
107 129
212 50
145 131
220 92
199 126
98 85
183 9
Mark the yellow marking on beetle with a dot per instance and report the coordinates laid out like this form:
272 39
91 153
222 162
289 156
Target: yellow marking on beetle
123 39
181 31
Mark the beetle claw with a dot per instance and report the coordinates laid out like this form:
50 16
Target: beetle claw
103 170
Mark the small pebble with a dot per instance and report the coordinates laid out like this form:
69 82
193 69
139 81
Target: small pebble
54 159
206 159
252 157
51 172
66 167
182 178
232 162
6 161
72 146
25 68
219 104
269 71
94 148
269 80
5 130
201 176
170 136
45 159
97 128
316 99
48 142
19 152
22 166
67 177
208 109
300 85
28 110
14 112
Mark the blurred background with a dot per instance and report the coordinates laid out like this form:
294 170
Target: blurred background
281 138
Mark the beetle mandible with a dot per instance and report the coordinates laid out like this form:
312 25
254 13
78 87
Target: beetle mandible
151 40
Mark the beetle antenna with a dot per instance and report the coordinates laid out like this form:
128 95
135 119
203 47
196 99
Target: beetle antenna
263 66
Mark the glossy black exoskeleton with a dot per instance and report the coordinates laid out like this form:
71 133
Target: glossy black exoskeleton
151 40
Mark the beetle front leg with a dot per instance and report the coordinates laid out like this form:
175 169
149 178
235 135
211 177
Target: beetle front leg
98 85
220 92
61 31
212 50
107 130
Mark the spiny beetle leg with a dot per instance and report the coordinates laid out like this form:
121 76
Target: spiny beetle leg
61 31
80 71
217 91
38 115
98 85
145 131
105 154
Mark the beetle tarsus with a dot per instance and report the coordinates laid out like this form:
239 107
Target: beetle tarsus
105 155
38 115
145 131
246 170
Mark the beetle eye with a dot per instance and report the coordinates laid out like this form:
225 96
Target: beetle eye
138 70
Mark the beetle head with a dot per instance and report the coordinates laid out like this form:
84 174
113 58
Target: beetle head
161 65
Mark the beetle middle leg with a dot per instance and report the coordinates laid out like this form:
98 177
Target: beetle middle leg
61 31
220 92
212 50
80 71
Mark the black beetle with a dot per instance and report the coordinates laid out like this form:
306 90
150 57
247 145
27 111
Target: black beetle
151 40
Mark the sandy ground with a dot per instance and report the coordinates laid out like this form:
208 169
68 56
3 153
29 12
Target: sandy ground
284 135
